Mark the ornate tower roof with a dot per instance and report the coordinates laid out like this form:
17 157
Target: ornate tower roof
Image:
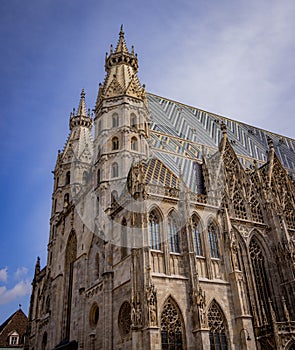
121 67
79 140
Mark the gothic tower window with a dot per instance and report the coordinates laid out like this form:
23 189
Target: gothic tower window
213 240
173 235
97 270
98 176
66 200
197 236
172 335
154 228
70 257
115 143
85 177
44 341
124 251
115 120
134 144
261 280
133 120
217 329
68 178
94 315
115 170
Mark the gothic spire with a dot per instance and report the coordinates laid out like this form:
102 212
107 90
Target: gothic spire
81 118
121 67
121 46
82 105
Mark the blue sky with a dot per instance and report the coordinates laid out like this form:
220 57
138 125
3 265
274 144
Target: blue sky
230 57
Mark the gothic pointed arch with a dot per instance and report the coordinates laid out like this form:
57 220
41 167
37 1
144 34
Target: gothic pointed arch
70 258
218 330
261 280
197 233
172 326
173 232
155 220
290 345
213 238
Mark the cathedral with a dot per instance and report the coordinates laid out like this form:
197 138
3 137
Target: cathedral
172 228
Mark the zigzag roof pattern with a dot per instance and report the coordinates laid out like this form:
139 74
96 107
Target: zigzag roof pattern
182 135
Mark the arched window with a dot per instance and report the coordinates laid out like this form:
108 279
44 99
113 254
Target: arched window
124 251
213 240
94 315
70 258
56 183
217 330
260 276
68 178
172 335
66 200
133 120
85 178
115 170
115 143
97 271
124 319
44 341
47 305
98 176
173 235
134 144
115 120
197 237
154 228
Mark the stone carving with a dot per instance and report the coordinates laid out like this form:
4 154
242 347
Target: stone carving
151 295
234 252
200 300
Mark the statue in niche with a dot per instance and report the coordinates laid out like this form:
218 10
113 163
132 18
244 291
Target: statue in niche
200 300
136 314
234 252
152 304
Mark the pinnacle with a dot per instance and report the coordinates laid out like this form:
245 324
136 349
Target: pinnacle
121 46
82 105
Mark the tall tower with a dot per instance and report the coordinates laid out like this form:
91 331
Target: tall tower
121 122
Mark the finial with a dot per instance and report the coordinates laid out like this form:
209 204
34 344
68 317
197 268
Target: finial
111 48
121 30
82 105
132 50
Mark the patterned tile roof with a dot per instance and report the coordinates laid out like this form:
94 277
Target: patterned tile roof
181 135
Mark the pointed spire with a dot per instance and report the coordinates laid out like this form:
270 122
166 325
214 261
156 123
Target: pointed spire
82 105
81 118
121 46
37 266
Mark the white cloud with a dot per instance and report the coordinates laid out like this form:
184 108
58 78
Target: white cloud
237 62
22 288
20 273
3 274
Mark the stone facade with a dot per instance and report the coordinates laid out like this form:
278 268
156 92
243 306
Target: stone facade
158 241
